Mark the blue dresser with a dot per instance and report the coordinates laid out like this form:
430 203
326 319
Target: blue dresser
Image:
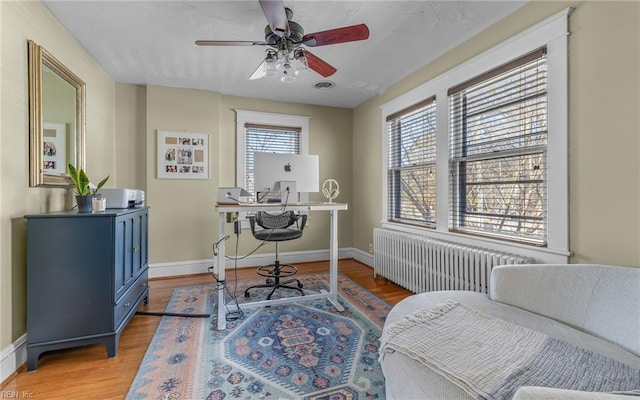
86 276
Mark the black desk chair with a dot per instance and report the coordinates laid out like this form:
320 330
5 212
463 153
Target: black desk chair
277 228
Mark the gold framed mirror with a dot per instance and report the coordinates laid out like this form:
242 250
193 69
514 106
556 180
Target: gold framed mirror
56 119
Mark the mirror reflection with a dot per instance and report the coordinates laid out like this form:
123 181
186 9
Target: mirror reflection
56 108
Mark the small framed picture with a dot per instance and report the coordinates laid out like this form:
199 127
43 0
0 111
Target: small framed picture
54 147
183 155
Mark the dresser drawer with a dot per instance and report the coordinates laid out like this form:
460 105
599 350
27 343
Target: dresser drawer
131 298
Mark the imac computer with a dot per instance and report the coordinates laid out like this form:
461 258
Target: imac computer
282 176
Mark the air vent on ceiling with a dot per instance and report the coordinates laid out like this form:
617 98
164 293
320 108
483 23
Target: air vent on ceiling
324 85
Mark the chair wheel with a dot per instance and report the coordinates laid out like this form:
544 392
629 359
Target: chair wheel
300 285
269 281
247 295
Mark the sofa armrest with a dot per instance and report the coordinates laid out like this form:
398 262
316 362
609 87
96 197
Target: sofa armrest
599 299
545 393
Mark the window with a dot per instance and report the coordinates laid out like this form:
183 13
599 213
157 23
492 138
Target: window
411 174
496 172
267 139
267 132
498 144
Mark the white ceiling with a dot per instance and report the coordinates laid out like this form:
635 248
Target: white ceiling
152 42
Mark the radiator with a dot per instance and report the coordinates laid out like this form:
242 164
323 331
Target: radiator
422 264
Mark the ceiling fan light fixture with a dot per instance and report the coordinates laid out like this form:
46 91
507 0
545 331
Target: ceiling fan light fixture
270 70
271 56
302 71
302 66
287 78
270 65
282 63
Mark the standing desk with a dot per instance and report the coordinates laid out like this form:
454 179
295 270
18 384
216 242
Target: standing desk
332 295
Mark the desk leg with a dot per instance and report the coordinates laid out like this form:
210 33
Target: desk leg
333 262
222 322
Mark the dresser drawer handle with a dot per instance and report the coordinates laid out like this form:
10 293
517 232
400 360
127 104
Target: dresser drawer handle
143 284
136 248
127 304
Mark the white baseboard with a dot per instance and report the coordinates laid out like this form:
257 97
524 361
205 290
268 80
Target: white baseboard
362 256
162 270
12 357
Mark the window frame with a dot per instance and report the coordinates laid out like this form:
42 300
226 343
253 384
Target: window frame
395 171
551 33
244 117
478 89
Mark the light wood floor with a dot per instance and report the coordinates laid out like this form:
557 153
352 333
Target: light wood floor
87 373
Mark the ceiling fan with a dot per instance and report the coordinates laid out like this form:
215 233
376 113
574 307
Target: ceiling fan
286 55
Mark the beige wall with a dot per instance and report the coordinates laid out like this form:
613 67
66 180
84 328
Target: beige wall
604 127
131 136
21 21
604 134
183 224
181 219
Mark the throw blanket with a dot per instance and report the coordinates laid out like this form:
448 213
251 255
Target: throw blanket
491 358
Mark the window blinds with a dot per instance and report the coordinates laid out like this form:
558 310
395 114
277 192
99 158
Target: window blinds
268 139
411 174
498 139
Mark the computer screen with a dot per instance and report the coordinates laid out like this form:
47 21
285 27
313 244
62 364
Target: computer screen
271 168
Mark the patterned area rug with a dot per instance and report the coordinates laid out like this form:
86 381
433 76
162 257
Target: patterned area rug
305 350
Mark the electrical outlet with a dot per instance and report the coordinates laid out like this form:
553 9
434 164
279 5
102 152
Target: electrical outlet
231 217
371 248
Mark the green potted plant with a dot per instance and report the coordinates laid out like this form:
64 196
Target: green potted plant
84 192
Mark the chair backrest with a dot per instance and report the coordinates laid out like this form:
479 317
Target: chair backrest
276 221
276 227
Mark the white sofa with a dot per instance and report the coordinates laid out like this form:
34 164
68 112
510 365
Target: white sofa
594 307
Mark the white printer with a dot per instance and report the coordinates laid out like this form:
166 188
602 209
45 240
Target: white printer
123 198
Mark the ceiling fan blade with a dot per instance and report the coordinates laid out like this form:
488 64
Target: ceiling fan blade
260 72
338 35
319 65
229 43
276 16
